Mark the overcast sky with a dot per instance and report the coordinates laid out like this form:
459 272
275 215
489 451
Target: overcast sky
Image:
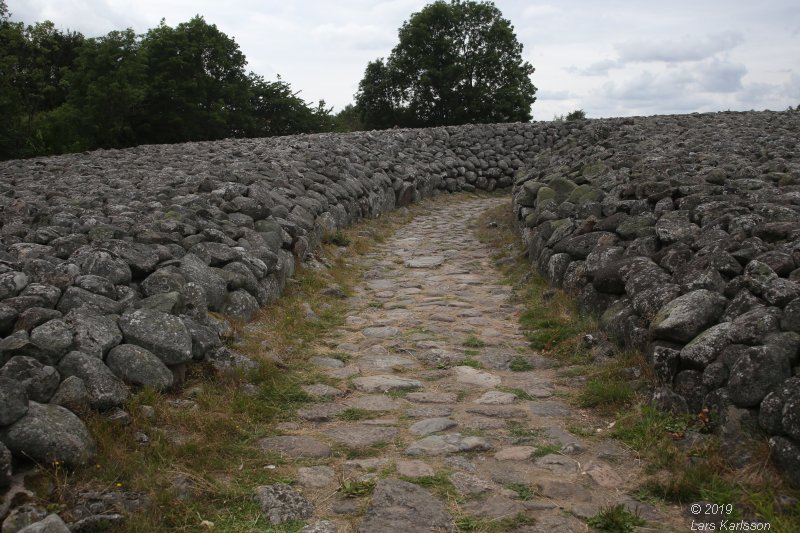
608 57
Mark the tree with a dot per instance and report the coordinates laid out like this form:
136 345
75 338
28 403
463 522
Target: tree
198 88
107 89
34 61
275 109
455 63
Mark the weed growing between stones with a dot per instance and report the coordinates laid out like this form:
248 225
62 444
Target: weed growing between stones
615 519
439 483
685 462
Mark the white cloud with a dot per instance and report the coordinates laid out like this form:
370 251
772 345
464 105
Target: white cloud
671 51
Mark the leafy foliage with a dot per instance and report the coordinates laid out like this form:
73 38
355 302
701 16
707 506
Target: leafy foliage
578 114
455 63
62 92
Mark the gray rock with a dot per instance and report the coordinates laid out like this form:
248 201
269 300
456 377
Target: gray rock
54 338
76 298
241 305
103 263
755 373
705 347
786 455
752 326
361 436
686 316
35 316
281 503
137 366
431 425
447 444
295 447
401 506
47 433
164 335
195 269
321 526
105 389
204 338
72 394
13 401
5 466
94 334
51 524
40 381
383 383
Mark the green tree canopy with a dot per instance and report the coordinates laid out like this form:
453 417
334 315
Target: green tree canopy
455 63
197 87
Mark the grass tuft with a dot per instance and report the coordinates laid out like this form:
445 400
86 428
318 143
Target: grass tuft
615 519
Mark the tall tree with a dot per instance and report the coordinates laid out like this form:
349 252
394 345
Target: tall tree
379 98
455 63
107 89
34 61
198 88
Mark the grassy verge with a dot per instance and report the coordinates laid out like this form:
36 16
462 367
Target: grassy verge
684 461
192 453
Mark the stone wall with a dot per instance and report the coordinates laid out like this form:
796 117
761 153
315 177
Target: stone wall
683 233
110 261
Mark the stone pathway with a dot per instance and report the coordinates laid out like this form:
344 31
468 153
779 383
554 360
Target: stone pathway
430 301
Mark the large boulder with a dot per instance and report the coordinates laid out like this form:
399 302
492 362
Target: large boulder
137 366
94 334
755 373
49 433
13 401
686 316
164 335
105 389
195 269
40 381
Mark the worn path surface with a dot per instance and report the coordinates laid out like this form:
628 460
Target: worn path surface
430 300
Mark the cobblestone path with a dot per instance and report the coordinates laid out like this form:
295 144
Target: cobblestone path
448 445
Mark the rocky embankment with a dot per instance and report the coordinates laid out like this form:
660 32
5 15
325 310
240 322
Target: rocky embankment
683 232
118 267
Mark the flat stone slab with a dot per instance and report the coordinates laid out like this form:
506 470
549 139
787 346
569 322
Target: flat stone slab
550 408
430 411
326 362
604 475
498 411
281 503
447 444
385 361
557 463
320 412
431 261
515 453
375 402
361 436
496 397
473 376
432 397
384 383
320 390
315 476
495 507
469 484
398 505
295 447
431 425
413 468
380 332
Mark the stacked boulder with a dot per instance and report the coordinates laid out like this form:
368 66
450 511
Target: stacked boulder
683 233
117 266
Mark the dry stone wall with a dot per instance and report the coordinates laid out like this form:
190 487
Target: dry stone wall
683 233
111 261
